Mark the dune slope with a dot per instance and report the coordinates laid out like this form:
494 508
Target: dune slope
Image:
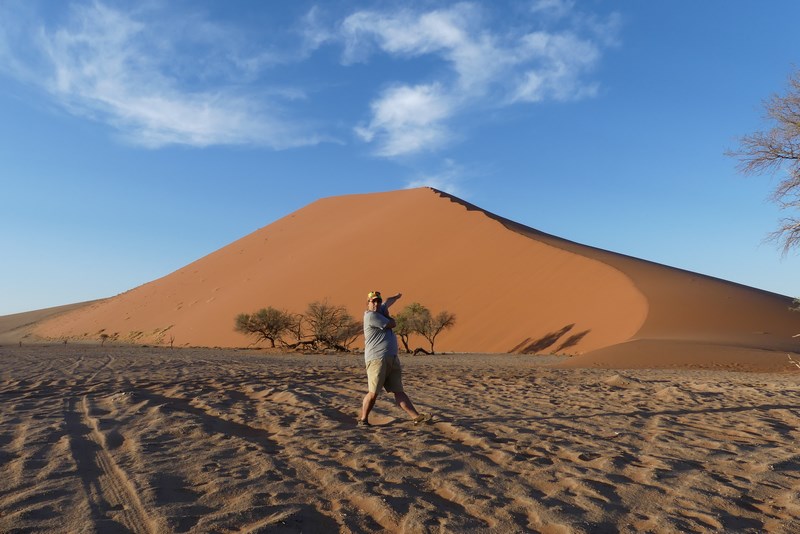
512 288
18 326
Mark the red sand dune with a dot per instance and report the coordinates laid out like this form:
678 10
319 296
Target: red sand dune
512 288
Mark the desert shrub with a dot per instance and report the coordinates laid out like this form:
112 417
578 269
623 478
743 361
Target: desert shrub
407 321
349 333
417 319
431 326
267 324
331 325
296 327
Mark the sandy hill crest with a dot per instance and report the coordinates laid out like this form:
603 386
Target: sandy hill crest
512 288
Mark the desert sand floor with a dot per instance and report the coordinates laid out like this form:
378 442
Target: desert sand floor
112 439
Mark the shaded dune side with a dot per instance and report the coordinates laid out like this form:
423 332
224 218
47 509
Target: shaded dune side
508 291
692 318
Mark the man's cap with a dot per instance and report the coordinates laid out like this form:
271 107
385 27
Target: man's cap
374 295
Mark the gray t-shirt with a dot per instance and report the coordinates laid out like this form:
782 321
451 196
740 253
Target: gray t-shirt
379 341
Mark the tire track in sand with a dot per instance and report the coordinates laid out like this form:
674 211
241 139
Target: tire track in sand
112 497
289 460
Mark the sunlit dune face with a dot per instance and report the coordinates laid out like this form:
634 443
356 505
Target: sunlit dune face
512 288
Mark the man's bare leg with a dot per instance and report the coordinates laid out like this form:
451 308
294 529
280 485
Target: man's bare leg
367 404
405 403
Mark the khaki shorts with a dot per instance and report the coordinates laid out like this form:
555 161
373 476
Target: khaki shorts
385 372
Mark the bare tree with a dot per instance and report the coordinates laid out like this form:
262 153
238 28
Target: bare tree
408 320
403 329
267 324
429 326
768 152
349 333
331 325
296 327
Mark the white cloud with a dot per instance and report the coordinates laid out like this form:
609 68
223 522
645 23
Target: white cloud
408 119
406 32
448 180
315 32
487 67
553 8
560 62
109 65
180 78
454 34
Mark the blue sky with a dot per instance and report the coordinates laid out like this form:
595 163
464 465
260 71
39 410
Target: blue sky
137 137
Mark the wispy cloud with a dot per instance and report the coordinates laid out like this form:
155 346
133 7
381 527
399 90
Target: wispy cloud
448 179
561 62
163 78
553 8
408 119
125 69
487 66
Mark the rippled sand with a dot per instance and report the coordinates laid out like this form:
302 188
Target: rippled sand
111 439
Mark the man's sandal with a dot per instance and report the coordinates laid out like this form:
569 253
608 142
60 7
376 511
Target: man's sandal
422 418
363 422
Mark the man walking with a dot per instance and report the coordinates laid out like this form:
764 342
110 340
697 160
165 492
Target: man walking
381 359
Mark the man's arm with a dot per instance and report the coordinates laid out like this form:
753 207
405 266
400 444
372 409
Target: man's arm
391 300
